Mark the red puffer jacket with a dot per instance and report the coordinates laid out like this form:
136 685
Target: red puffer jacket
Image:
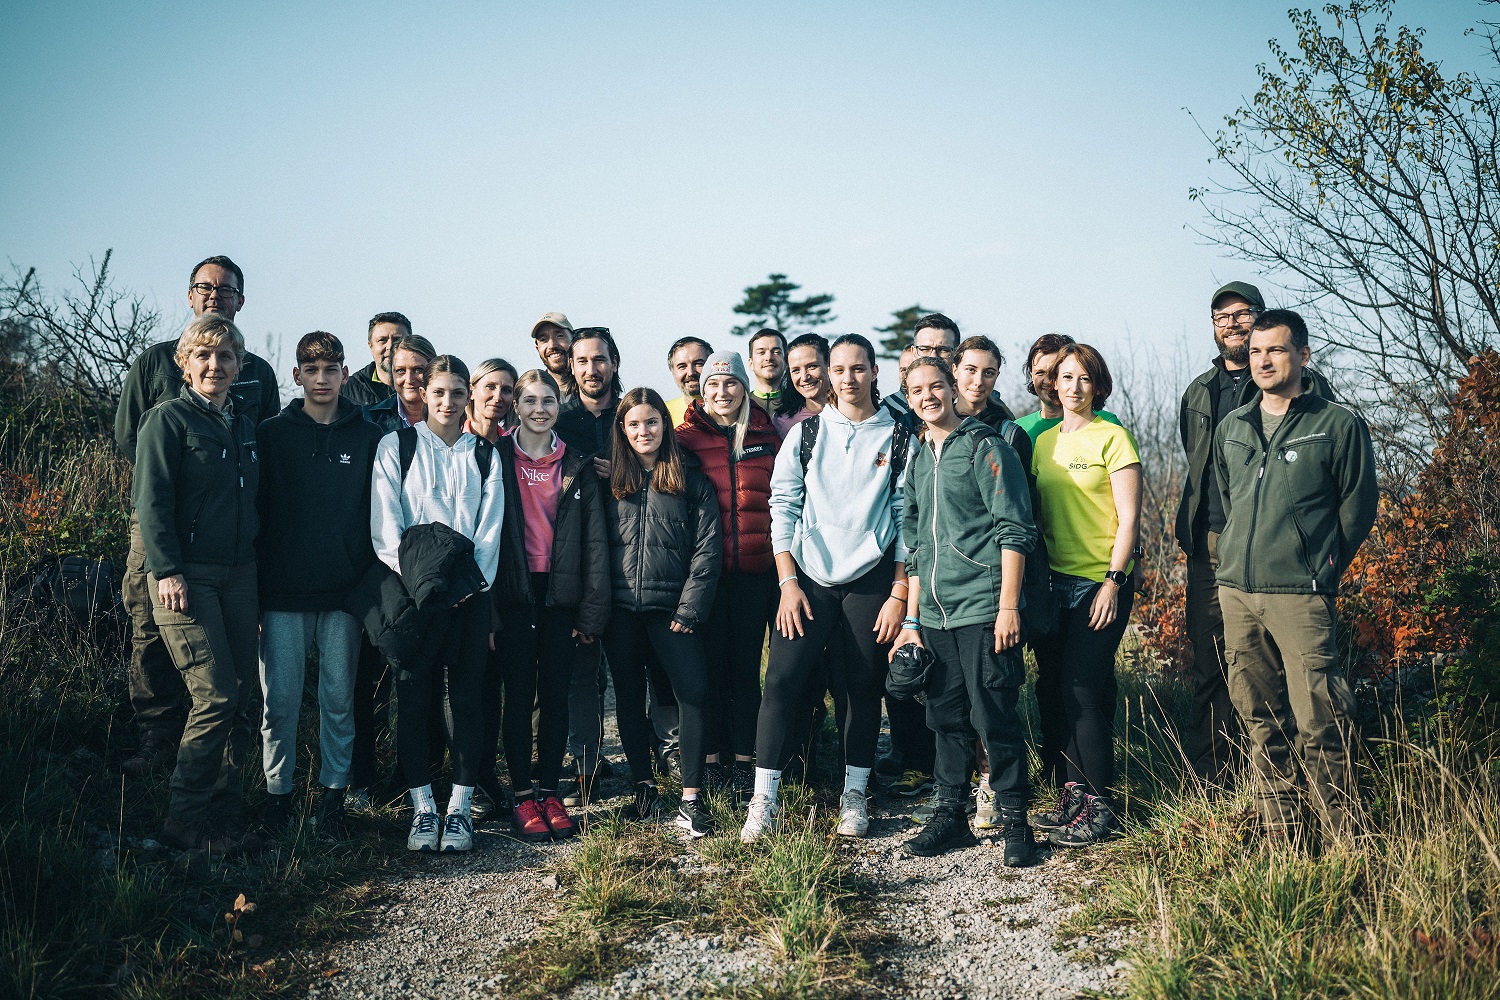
744 486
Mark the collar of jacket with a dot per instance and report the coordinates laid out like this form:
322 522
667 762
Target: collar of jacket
201 401
1298 402
697 417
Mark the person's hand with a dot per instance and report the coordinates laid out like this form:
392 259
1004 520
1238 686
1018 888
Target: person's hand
172 591
794 605
1106 605
1007 629
908 637
677 626
601 466
492 642
888 625
587 640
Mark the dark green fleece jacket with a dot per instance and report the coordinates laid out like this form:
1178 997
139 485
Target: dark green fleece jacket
155 378
1299 505
196 479
961 509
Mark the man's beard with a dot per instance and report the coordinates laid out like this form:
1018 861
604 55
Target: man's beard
1238 355
557 364
600 393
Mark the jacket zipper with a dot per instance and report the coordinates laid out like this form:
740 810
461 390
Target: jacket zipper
1260 477
640 559
935 547
734 520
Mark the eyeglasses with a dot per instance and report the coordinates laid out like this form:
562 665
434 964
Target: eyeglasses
933 350
204 289
1237 318
590 331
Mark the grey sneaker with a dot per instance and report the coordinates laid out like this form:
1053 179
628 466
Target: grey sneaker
762 817
986 815
424 834
854 815
458 833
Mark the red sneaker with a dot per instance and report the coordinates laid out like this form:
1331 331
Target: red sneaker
529 822
558 818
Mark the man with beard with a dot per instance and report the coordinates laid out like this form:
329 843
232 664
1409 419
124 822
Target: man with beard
1209 398
767 357
685 360
373 382
553 337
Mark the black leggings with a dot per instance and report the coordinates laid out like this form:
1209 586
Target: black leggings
539 661
460 637
1076 693
843 617
733 637
628 640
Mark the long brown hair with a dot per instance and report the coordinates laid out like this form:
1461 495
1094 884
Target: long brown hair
626 473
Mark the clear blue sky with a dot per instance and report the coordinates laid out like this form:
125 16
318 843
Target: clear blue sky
1022 166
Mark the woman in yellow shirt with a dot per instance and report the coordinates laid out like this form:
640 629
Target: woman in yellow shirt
1088 474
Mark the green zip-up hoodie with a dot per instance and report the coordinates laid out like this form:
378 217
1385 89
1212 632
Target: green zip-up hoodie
196 480
960 511
1298 506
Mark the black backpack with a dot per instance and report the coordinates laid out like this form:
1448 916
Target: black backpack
900 446
406 445
81 592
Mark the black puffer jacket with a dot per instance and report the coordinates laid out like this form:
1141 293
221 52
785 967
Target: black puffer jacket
665 552
580 546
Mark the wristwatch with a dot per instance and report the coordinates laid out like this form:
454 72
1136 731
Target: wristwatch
1117 577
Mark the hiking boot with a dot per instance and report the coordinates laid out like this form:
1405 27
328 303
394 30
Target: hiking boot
647 806
911 784
1069 802
278 815
529 822
1094 823
458 833
424 834
948 830
854 815
557 818
986 815
1020 845
692 816
153 756
175 833
760 818
328 818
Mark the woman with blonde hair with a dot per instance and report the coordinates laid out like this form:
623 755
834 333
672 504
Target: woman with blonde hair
492 410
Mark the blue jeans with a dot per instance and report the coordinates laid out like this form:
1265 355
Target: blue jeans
285 640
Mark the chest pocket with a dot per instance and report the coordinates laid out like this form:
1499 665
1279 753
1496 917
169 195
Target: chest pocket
204 451
1304 460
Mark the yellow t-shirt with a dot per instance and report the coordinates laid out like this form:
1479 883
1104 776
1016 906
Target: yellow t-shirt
1078 508
677 410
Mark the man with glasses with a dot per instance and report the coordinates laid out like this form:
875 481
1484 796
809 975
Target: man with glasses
1209 398
374 382
935 336
156 689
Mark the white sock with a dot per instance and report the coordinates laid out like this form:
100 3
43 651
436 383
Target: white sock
767 782
856 779
459 799
690 796
421 800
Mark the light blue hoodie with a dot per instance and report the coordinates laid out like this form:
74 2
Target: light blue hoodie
841 518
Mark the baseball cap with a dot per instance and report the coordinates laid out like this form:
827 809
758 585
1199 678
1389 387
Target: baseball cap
1244 290
555 318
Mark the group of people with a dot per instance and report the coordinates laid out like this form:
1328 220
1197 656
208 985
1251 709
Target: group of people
494 546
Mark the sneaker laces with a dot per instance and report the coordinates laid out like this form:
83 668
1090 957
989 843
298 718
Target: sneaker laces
528 810
425 822
1085 814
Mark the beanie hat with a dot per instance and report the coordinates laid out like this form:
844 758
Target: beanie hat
725 363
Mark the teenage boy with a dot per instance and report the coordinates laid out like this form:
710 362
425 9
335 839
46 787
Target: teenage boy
1213 735
1039 362
553 338
685 360
316 458
767 355
967 493
374 382
1296 475
157 693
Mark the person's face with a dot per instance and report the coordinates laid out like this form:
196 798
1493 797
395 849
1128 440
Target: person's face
1041 378
552 342
643 429
446 397
1075 389
976 373
1275 364
723 395
383 337
409 375
320 380
536 407
931 342
687 369
852 374
904 362
1232 318
767 360
593 369
930 396
806 370
493 395
210 369
215 289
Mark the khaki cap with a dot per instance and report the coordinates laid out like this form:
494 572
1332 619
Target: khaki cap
555 318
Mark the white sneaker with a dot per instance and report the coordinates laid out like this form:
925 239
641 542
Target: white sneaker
424 832
761 818
458 833
986 816
854 815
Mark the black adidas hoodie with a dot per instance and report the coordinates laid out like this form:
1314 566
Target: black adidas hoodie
314 543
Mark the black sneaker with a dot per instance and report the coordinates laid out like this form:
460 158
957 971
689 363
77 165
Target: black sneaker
947 830
152 757
715 779
1069 802
647 804
329 818
1020 846
277 815
742 782
889 765
669 761
1094 823
583 791
490 802
693 817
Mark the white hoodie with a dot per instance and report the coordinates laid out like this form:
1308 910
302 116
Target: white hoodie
442 487
840 519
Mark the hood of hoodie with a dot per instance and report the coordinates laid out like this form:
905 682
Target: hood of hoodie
296 413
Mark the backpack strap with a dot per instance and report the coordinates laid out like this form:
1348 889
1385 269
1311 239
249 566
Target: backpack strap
810 428
900 448
484 456
406 448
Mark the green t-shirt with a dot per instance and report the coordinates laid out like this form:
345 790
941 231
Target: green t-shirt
1034 423
1078 506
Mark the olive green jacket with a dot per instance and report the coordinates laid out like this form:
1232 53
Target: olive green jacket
1298 506
155 378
